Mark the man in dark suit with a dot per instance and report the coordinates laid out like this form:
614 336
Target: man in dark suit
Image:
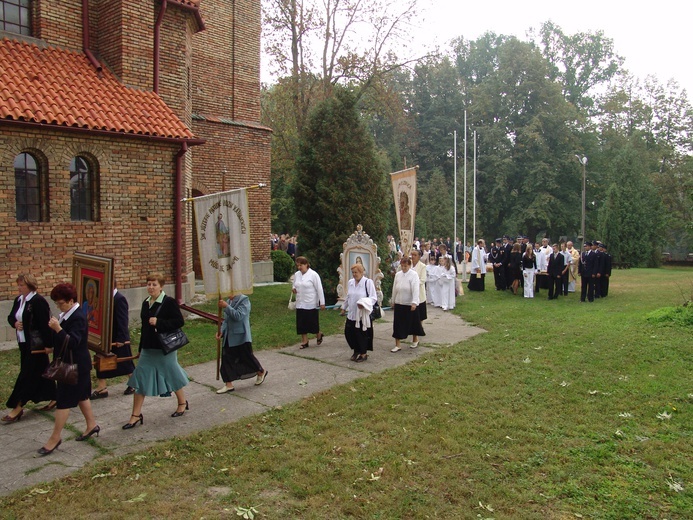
585 270
507 247
556 271
497 258
598 271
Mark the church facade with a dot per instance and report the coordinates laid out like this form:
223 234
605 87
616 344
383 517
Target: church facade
112 114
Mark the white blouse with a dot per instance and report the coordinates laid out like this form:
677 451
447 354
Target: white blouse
309 293
364 289
405 289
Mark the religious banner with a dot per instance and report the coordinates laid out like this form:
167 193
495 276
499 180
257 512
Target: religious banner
223 236
404 190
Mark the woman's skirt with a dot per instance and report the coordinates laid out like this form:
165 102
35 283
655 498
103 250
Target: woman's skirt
359 340
123 369
157 374
239 362
307 321
406 322
30 386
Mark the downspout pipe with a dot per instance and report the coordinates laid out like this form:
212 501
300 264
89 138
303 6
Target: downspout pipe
85 37
157 43
177 220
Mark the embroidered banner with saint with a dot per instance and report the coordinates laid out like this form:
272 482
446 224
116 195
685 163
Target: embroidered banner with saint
404 190
223 237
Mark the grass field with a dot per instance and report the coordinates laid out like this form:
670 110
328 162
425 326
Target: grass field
562 410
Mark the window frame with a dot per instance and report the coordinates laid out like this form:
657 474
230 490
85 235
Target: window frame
40 206
23 8
84 199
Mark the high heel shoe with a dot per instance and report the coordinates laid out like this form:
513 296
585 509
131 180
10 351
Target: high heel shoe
95 430
45 451
9 419
177 413
140 419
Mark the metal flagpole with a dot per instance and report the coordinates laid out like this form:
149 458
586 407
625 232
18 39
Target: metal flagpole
454 235
474 187
464 231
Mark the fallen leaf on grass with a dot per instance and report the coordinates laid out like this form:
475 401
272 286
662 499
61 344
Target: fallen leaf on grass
526 360
674 485
565 383
487 506
625 414
664 416
139 498
37 491
593 392
102 475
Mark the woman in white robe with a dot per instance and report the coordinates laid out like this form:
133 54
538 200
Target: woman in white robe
447 284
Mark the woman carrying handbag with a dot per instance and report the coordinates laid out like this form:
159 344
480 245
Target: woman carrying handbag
71 332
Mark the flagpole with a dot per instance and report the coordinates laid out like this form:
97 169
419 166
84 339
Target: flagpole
474 187
464 231
454 233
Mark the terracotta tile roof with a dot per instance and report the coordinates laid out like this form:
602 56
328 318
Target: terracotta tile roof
57 87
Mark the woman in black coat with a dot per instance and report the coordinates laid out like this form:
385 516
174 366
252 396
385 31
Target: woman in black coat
71 331
29 316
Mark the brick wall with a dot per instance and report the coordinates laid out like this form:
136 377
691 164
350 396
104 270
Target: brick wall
136 209
243 151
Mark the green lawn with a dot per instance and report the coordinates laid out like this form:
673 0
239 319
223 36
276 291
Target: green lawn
562 410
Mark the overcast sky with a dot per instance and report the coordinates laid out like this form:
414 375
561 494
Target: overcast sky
653 37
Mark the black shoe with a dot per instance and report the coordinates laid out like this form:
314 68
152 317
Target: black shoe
99 394
129 391
44 451
177 413
140 419
95 430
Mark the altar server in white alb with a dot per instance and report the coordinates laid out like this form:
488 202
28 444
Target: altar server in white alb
479 259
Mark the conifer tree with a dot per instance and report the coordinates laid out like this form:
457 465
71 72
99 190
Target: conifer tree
340 182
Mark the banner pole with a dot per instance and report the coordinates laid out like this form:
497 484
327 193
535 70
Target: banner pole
218 328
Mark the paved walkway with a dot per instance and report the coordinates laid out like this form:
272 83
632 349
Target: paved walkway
293 375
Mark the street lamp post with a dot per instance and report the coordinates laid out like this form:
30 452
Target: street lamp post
583 161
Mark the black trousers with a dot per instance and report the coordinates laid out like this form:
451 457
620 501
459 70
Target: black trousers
555 287
587 288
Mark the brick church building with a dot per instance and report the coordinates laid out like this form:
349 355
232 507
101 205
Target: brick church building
111 113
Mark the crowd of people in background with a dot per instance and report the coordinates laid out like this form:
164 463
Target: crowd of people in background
284 242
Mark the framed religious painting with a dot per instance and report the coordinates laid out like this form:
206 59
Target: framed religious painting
359 248
93 277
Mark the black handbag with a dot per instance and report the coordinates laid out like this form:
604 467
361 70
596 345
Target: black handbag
62 371
376 313
172 340
35 340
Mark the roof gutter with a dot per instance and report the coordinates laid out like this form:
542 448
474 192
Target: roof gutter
85 37
102 133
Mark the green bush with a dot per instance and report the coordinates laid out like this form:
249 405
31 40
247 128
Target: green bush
283 265
682 316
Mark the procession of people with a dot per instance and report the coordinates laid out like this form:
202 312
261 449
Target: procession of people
427 277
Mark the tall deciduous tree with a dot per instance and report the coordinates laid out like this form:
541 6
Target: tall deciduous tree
579 62
340 182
